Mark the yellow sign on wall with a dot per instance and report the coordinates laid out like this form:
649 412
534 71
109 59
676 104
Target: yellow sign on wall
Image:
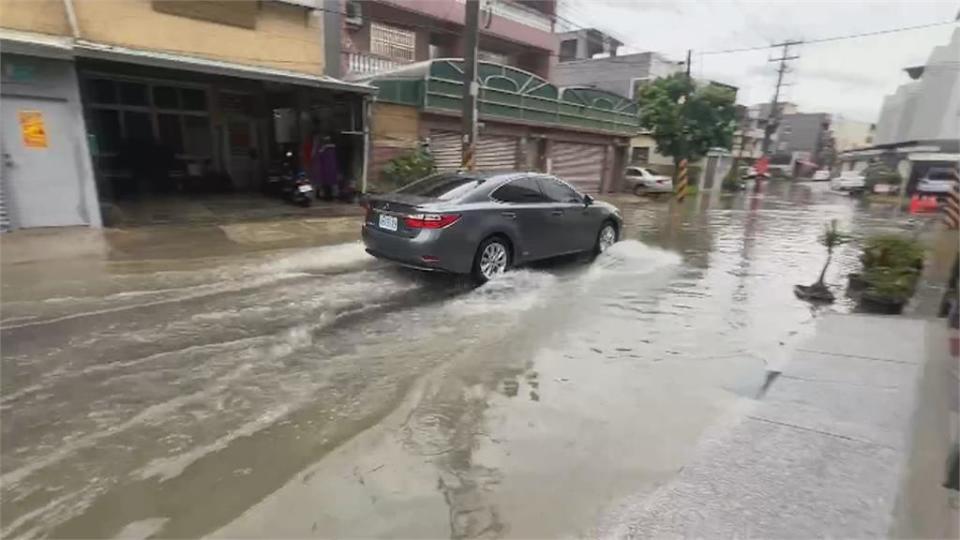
34 132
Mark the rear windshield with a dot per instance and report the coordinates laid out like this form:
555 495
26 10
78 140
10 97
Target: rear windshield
940 174
446 186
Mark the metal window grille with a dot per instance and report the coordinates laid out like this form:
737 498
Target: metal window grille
392 42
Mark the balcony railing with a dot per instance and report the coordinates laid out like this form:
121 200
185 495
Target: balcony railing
359 63
519 13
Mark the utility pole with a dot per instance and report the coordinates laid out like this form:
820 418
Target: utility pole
681 173
773 117
471 89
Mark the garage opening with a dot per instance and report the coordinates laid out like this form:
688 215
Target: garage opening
579 164
172 146
494 152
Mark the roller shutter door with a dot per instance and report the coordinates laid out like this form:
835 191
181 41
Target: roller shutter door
493 152
496 153
578 164
445 149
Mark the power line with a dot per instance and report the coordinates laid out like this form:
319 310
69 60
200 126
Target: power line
837 38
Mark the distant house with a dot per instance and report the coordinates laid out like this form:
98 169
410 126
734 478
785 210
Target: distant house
919 124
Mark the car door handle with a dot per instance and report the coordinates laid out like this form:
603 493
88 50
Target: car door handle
509 215
556 213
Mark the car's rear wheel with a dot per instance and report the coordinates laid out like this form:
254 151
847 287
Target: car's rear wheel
492 259
606 237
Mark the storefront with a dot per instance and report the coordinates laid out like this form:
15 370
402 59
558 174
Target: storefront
166 127
91 130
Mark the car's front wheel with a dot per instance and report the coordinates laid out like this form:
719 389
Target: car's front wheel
606 237
492 259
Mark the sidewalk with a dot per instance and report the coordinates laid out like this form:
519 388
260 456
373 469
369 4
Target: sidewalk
827 450
173 241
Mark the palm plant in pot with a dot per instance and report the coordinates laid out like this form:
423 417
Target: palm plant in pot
831 238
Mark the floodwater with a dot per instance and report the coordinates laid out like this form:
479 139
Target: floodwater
318 392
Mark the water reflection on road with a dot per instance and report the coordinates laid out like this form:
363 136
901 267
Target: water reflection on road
316 392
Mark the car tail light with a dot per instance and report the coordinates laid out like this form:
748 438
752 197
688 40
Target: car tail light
430 221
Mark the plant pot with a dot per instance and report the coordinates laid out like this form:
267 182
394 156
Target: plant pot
883 305
813 293
855 281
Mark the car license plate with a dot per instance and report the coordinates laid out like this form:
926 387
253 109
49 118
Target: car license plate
305 189
388 222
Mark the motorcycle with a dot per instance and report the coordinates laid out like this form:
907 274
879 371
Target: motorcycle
284 181
300 191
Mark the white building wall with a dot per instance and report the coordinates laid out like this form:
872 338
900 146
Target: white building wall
926 109
849 134
893 123
935 113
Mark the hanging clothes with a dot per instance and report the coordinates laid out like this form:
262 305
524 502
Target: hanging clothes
329 172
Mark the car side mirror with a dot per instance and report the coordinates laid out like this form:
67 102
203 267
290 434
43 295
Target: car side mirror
587 200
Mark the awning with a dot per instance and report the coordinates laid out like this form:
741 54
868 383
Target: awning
31 43
89 49
34 44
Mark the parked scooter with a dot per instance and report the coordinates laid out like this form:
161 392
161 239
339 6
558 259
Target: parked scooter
284 180
300 191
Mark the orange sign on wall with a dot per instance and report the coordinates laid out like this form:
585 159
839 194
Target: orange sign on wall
34 132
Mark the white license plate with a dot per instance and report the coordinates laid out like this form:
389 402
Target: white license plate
305 189
388 222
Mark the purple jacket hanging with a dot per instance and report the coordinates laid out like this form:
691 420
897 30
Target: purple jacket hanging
328 165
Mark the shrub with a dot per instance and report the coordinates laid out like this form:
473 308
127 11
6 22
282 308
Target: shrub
408 167
891 251
892 283
880 173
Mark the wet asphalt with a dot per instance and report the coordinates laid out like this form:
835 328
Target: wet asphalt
314 391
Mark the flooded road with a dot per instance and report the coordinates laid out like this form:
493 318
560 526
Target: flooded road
318 392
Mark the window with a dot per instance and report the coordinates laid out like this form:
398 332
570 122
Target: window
172 117
393 42
197 140
441 186
194 99
496 58
165 97
170 134
557 191
521 190
109 133
133 94
102 91
640 154
137 126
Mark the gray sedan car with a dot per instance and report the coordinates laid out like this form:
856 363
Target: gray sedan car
483 223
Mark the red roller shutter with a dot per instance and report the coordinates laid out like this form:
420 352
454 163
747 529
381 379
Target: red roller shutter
578 164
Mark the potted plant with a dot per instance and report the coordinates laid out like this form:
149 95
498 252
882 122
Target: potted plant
888 290
831 238
891 269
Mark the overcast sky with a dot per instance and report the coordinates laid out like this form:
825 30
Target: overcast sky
848 77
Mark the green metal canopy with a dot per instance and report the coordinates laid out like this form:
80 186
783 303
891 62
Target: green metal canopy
507 93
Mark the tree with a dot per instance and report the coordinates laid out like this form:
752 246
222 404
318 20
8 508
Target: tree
831 238
827 153
687 127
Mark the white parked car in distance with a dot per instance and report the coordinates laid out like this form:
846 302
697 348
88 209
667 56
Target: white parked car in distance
937 181
848 181
821 176
642 180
